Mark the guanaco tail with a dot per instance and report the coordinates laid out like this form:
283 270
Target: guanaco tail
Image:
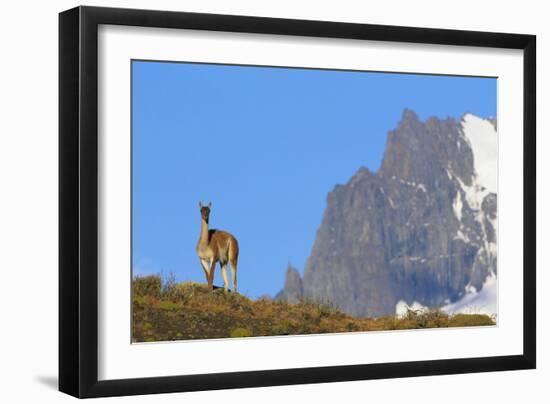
216 246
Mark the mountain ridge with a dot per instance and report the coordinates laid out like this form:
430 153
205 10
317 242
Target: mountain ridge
420 229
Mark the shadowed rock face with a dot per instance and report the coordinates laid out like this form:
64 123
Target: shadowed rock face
420 229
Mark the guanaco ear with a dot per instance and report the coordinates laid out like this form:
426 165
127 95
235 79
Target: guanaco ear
200 205
209 205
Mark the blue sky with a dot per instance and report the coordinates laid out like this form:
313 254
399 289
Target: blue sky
265 145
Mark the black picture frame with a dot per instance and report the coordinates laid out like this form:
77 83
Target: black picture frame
78 201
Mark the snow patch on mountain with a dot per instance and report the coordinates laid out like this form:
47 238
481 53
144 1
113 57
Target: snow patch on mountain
474 302
402 308
474 193
457 206
482 136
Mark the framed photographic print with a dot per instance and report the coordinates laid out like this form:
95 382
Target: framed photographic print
250 201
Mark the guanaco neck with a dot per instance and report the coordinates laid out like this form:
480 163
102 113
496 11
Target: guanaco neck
204 232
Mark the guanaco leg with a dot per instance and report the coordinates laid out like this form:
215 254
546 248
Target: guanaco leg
224 275
233 265
205 267
211 274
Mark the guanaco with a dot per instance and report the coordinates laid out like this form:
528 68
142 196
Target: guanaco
216 246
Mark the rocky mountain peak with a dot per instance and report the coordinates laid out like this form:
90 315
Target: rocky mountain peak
422 152
422 228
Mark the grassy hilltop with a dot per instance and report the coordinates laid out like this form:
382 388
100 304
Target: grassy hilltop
165 311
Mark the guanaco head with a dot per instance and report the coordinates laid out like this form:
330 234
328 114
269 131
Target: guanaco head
205 211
